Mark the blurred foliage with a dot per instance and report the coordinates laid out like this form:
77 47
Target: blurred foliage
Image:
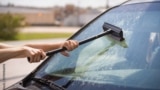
9 26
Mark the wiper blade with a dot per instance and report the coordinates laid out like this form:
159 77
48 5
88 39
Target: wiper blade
48 83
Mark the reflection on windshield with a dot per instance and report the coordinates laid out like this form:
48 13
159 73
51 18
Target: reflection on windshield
131 63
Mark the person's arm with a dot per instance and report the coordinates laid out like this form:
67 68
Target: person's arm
34 51
44 46
8 52
2 46
69 45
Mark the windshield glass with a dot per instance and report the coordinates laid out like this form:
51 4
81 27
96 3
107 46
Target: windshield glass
133 62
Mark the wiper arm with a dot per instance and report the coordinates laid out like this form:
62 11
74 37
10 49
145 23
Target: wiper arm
48 83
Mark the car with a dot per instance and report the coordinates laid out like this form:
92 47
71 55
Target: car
106 63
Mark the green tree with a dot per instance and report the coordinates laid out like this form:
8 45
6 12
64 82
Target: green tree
9 26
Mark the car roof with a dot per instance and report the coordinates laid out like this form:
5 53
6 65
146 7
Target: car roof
140 1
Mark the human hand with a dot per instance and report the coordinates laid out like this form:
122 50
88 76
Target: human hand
34 55
69 45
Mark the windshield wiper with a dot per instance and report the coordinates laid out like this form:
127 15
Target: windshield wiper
48 83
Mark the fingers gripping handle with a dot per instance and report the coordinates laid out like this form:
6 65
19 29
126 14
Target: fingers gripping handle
50 52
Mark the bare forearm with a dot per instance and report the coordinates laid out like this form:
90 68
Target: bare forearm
45 46
2 46
9 53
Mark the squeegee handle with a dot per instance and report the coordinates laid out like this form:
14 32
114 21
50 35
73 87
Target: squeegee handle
80 43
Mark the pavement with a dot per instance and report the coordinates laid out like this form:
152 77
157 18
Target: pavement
49 29
14 70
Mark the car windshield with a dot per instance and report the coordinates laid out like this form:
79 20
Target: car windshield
129 63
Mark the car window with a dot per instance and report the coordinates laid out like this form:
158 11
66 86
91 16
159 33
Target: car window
133 62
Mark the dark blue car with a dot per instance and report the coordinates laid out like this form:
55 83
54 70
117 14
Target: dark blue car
106 63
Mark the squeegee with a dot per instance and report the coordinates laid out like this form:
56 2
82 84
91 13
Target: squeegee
109 29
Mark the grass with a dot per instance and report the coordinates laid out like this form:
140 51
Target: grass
31 36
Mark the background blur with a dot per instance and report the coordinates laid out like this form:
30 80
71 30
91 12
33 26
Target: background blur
26 21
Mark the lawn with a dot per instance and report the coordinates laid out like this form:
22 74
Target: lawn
31 36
